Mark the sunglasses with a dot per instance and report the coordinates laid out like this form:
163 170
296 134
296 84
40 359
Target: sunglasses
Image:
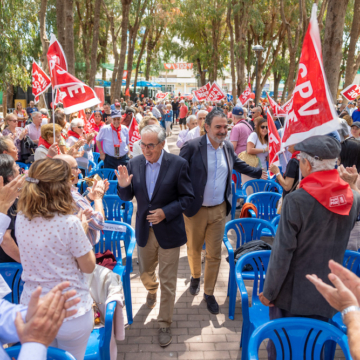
263 127
88 113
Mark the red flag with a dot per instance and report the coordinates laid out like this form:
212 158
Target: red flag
277 110
215 93
287 106
245 96
40 82
77 96
134 134
55 55
274 142
92 121
312 111
127 92
351 92
161 95
202 93
82 116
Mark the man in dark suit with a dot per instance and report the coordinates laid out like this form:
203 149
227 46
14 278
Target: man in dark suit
211 160
161 184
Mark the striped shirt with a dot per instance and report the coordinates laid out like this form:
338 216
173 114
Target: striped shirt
97 221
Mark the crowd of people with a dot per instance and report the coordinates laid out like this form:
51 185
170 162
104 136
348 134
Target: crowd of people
50 227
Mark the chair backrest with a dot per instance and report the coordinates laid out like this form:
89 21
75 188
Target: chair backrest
238 179
275 222
91 166
100 165
112 235
352 261
263 186
52 353
112 188
116 209
96 156
104 173
23 165
266 204
259 260
248 229
11 272
296 338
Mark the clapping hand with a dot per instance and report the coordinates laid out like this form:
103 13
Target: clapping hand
10 192
123 177
85 218
23 134
98 190
53 150
349 175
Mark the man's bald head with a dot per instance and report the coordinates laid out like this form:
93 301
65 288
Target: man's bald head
73 164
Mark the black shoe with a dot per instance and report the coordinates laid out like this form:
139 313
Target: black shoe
212 305
194 286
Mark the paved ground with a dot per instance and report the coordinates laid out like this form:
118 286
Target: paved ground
196 333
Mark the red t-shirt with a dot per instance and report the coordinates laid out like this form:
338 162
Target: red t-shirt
183 111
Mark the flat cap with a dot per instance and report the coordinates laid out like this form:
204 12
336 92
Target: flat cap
356 123
320 147
129 110
115 114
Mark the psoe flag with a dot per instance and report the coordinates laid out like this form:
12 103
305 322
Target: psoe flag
312 109
352 92
274 142
40 82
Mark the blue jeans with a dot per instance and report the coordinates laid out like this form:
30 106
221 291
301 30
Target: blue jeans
175 115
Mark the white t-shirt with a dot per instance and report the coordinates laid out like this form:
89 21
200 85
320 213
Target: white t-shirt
48 250
258 145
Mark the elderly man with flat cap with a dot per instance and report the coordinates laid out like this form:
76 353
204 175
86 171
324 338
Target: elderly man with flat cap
314 228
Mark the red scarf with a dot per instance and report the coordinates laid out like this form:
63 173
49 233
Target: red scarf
295 154
118 130
46 144
74 134
329 190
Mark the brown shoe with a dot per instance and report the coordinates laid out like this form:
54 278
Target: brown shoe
165 337
151 300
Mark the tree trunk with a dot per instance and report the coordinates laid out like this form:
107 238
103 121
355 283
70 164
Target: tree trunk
10 96
284 94
44 42
69 36
290 81
60 22
332 44
277 79
232 57
124 28
130 59
95 42
5 103
143 44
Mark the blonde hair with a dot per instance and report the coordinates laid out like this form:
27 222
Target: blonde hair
74 116
348 119
17 104
8 117
47 131
145 122
51 195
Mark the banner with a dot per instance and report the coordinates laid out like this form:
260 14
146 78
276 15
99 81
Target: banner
215 93
178 66
92 121
55 55
245 96
100 93
229 97
134 134
312 109
352 92
277 110
87 126
125 74
161 96
77 95
202 93
40 82
287 106
274 142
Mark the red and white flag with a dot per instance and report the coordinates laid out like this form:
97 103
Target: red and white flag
87 126
77 96
202 93
161 95
277 110
274 142
245 96
312 111
352 92
40 82
286 107
134 134
215 93
55 55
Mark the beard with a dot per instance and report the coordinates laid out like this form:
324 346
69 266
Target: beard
216 139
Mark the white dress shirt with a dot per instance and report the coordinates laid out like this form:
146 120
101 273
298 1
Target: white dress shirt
193 134
109 139
181 138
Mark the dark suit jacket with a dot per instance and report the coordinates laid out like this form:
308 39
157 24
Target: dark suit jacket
195 152
173 193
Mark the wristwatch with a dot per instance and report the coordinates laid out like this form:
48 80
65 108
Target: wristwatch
349 309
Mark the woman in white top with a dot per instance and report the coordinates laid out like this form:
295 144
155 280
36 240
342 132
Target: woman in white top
54 247
258 144
147 120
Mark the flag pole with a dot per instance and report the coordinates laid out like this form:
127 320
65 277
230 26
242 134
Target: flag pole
45 101
53 112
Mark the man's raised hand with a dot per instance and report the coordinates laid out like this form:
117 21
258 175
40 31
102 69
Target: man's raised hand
123 177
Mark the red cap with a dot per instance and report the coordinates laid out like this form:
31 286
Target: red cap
117 104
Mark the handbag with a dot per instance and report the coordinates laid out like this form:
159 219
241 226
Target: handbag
250 159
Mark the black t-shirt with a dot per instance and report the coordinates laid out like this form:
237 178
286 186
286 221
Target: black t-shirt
4 258
175 105
292 171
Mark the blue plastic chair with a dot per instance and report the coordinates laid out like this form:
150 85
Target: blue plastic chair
98 346
115 211
104 173
257 314
266 204
52 353
11 272
296 338
275 222
91 166
111 237
246 230
112 188
96 156
23 165
237 193
100 165
262 186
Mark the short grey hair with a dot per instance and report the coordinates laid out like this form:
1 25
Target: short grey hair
159 130
318 165
201 111
76 122
44 111
4 146
237 117
35 113
191 117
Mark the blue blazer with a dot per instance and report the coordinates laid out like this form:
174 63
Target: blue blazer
195 152
173 193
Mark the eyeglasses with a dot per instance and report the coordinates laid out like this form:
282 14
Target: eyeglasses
264 127
80 127
148 146
75 168
88 113
13 120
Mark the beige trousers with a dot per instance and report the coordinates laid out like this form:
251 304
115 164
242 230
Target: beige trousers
168 259
206 226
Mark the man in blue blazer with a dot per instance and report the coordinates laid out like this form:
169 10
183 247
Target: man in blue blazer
162 187
211 160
